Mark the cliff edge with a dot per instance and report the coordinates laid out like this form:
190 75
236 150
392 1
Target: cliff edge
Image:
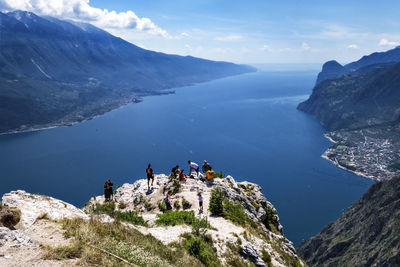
135 229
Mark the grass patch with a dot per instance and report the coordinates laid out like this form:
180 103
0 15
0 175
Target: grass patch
131 217
176 218
266 257
129 244
186 204
106 208
218 175
162 206
121 206
63 252
198 247
109 209
234 212
147 205
219 205
177 206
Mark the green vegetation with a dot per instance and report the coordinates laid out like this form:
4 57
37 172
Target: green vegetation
216 199
270 220
63 252
177 206
105 208
139 249
147 205
109 209
201 249
266 258
234 212
121 205
221 206
9 217
218 175
131 217
186 204
176 218
176 186
162 206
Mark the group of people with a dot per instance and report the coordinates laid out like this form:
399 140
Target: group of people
108 190
208 173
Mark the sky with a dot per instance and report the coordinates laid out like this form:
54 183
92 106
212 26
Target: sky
250 32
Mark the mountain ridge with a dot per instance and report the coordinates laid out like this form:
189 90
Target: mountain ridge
57 73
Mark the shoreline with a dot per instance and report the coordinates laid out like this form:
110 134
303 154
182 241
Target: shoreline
363 175
73 122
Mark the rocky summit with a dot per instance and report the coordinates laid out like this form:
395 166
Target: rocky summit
134 228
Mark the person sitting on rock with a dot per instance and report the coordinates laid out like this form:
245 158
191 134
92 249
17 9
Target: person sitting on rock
182 176
205 168
150 175
175 172
193 167
110 190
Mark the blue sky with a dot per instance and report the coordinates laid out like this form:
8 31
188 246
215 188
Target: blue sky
248 31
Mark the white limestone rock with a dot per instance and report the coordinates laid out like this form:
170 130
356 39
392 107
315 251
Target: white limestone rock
33 206
14 237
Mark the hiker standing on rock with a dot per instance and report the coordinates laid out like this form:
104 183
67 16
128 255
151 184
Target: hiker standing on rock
168 200
150 175
193 167
200 202
106 192
110 190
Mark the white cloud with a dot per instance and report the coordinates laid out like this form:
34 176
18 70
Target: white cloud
266 48
229 38
82 11
386 42
353 46
305 46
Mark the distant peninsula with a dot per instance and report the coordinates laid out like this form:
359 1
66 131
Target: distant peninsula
359 104
55 72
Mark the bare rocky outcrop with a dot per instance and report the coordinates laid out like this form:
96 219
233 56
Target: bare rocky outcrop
33 206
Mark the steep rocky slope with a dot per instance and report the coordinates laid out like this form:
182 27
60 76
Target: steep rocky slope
367 233
358 100
131 230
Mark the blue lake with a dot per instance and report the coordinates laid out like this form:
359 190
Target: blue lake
246 126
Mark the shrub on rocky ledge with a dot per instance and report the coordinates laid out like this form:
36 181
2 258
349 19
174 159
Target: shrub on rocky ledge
216 201
9 217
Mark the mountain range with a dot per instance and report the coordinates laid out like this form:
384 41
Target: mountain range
58 72
360 94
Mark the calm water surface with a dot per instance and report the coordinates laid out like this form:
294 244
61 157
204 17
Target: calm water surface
246 126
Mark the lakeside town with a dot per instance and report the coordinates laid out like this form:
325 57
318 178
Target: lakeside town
371 152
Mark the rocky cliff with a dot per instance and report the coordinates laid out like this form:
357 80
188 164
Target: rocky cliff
366 234
134 228
332 69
